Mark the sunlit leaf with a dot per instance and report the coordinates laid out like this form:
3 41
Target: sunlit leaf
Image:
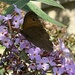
42 14
52 3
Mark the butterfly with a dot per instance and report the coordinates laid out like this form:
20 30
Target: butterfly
34 32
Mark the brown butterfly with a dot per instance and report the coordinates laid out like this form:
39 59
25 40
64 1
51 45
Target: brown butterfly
33 31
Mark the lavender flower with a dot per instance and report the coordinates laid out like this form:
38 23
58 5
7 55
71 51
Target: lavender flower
34 53
42 64
17 21
32 66
3 32
7 42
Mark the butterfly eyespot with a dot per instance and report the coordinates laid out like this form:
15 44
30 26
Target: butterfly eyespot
34 19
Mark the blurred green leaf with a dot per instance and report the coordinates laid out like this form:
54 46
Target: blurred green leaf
52 3
1 71
23 55
42 14
8 1
25 8
20 4
49 2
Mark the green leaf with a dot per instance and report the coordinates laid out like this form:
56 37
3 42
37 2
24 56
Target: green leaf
26 8
23 55
9 1
1 71
51 2
42 14
20 4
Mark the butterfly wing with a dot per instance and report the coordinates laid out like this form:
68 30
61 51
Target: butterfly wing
39 37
